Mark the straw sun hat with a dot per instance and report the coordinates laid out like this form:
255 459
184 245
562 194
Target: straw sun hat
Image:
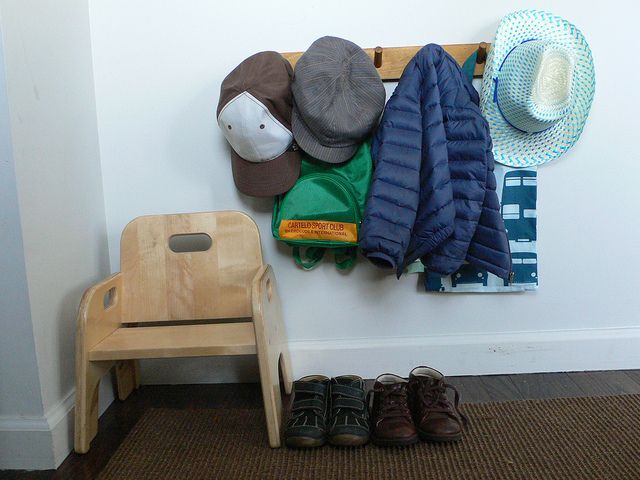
537 89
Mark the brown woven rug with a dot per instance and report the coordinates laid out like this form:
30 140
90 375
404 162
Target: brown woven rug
579 438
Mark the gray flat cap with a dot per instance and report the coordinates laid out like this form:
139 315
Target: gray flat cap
338 99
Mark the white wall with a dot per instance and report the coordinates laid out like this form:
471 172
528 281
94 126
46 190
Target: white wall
20 390
20 386
158 68
47 55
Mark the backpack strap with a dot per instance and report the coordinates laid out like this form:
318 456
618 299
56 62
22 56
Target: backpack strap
345 257
312 257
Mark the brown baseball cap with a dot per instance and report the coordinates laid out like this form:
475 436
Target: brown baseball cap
254 114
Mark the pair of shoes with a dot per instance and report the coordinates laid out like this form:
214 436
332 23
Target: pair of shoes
407 410
332 410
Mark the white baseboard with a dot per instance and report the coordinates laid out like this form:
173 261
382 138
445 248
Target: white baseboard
470 354
475 354
43 442
27 442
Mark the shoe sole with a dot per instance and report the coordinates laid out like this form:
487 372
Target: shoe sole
304 442
399 442
347 440
428 437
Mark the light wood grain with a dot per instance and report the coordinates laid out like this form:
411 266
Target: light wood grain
86 408
95 322
127 377
226 282
177 341
272 348
394 59
164 286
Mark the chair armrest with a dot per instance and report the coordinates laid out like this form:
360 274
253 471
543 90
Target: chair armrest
267 310
262 286
97 320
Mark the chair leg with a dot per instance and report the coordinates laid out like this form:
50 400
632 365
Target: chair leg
127 377
86 408
287 374
269 381
271 346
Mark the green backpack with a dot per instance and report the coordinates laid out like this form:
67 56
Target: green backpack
324 209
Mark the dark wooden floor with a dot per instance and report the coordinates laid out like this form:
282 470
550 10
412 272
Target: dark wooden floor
120 417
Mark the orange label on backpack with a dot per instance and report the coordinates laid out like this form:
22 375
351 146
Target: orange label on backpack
318 230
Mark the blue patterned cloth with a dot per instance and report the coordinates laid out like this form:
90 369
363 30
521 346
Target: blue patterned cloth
517 190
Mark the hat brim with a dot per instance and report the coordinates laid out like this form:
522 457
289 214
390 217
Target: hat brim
513 147
310 144
266 179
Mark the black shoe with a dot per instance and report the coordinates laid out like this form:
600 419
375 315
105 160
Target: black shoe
306 427
349 423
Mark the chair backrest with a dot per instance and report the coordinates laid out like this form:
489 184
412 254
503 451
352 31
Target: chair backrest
164 282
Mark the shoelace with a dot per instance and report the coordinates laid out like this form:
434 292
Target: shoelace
433 395
393 401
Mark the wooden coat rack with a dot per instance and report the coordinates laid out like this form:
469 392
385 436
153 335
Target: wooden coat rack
391 61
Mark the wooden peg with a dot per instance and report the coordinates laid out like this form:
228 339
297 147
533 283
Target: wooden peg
396 58
377 57
482 52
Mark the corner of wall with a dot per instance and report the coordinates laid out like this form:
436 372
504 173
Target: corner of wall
51 133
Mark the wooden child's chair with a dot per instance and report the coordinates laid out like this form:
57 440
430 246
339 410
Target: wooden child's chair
124 318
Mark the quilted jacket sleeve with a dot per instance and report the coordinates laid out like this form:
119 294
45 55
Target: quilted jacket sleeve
466 142
434 222
394 195
489 247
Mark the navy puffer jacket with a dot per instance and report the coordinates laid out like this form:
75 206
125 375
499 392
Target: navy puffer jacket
433 194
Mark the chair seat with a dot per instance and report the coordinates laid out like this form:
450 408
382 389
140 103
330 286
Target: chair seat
177 341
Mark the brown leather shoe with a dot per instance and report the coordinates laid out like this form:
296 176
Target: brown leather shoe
437 420
391 422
